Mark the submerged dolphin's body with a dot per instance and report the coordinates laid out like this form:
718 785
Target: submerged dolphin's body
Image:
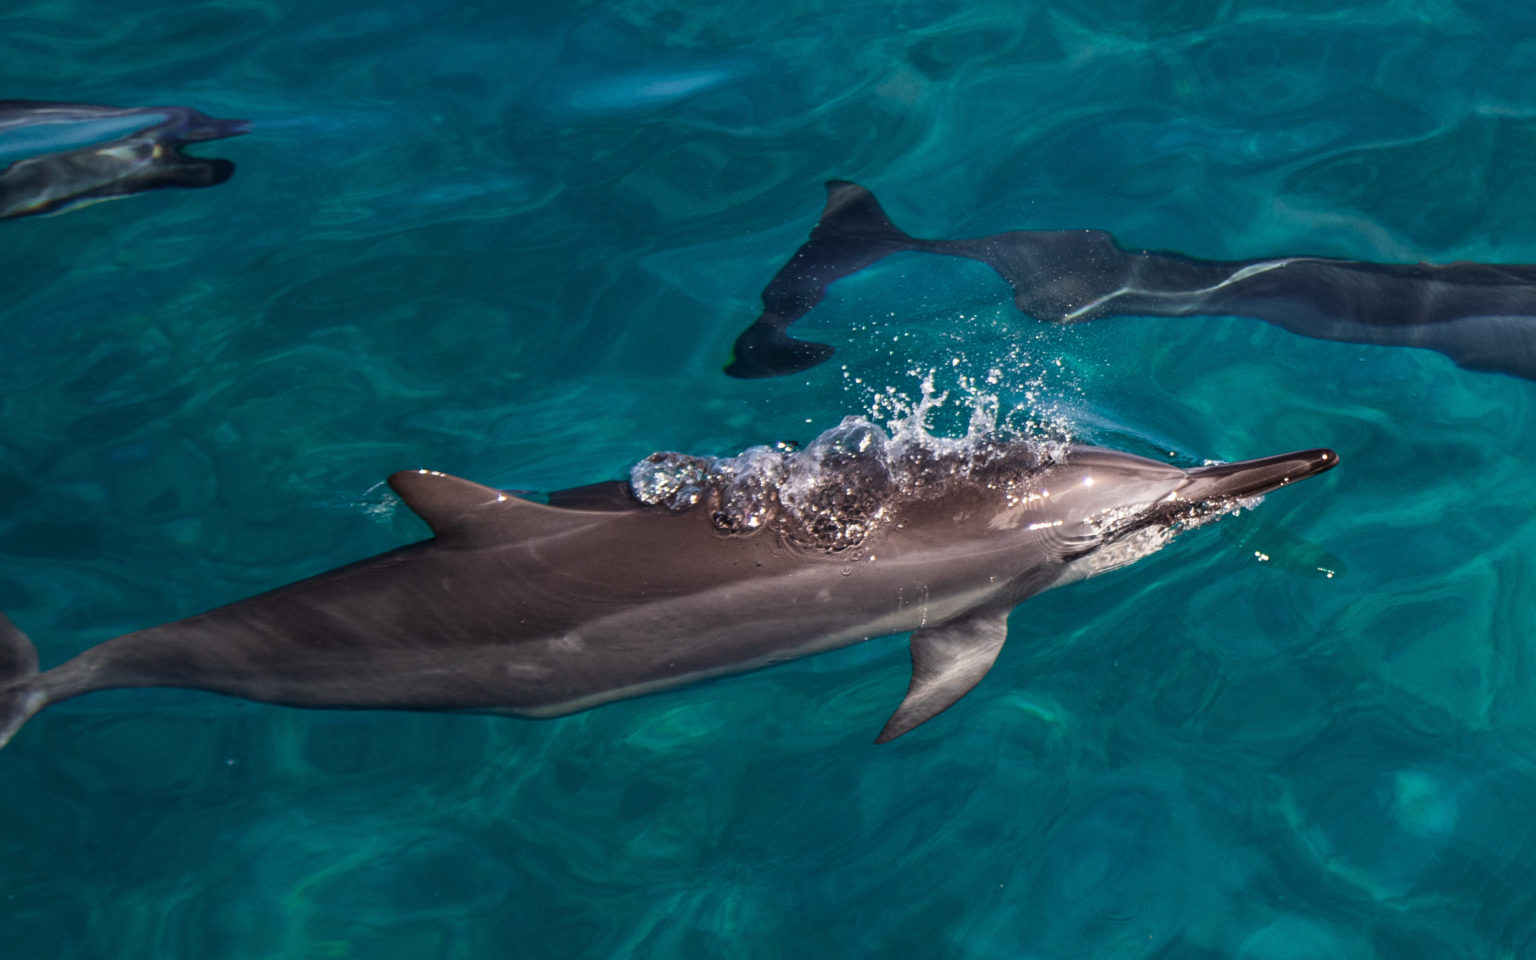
56 156
1482 316
697 568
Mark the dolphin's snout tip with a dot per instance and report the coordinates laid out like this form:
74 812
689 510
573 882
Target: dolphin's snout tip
1316 461
1251 478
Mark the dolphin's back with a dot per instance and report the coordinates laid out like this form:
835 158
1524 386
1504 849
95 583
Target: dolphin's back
537 609
431 626
514 606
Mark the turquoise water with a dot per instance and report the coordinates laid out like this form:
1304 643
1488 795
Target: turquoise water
516 244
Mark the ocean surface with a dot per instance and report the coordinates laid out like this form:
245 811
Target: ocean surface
514 242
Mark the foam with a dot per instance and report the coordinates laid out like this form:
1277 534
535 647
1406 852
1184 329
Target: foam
840 488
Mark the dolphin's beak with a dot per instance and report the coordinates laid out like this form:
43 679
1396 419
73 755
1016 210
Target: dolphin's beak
1250 478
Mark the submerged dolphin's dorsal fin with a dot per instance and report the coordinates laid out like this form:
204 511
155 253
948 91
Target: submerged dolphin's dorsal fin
947 661
463 513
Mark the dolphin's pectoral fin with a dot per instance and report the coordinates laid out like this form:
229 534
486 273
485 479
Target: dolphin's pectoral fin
947 661
464 513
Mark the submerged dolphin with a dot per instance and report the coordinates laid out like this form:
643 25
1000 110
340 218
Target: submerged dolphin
56 156
695 568
1483 316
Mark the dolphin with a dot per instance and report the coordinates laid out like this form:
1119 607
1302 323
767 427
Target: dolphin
694 568
58 156
1482 316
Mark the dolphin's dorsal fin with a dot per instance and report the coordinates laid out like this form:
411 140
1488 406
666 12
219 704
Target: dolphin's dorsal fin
463 513
947 661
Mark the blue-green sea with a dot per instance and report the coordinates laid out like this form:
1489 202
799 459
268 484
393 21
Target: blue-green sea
515 241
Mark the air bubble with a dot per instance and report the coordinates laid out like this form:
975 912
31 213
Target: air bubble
673 480
841 488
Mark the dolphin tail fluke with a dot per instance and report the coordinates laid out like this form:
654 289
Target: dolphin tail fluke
853 233
765 350
19 696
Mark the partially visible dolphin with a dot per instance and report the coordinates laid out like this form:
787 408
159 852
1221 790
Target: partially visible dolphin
695 568
1482 316
57 156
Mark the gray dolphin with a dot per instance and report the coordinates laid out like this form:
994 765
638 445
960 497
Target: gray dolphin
695 568
1481 315
57 156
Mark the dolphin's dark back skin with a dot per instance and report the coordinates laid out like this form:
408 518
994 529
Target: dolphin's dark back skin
1482 316
700 568
55 156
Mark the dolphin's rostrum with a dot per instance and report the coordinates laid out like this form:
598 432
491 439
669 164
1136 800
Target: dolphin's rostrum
1481 315
695 568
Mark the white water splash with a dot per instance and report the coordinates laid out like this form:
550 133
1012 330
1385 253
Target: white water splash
841 487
